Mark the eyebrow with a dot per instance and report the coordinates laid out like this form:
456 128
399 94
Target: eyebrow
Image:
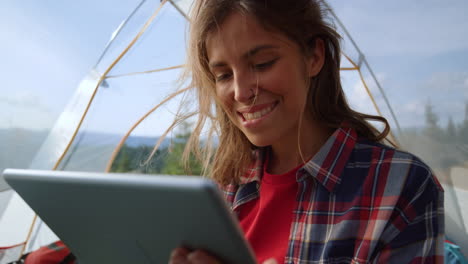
246 55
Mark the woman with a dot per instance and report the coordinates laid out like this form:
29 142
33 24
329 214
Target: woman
308 177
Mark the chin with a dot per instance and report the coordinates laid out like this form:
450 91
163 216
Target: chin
259 142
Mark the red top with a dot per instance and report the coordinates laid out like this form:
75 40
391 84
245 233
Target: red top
266 221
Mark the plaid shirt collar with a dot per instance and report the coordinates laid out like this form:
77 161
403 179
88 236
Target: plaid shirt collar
326 170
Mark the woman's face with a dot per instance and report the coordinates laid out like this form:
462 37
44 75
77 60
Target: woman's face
261 79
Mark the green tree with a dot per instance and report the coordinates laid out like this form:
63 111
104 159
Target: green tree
174 163
463 128
451 131
164 161
135 159
153 166
122 162
432 129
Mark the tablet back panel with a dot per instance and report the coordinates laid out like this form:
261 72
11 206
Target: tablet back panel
124 218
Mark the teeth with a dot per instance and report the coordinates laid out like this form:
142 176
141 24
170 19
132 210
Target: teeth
256 115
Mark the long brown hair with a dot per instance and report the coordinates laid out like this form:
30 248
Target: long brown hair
303 21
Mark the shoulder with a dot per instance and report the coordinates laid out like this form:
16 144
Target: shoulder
396 180
398 175
398 164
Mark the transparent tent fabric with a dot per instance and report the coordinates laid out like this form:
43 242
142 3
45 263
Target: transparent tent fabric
10 253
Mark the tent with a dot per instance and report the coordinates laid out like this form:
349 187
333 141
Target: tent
121 105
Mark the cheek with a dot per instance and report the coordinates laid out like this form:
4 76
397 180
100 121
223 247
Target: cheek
225 104
286 84
297 81
223 98
285 79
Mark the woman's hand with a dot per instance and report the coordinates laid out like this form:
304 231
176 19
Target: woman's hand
185 256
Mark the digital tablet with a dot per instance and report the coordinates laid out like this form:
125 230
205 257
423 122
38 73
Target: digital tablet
130 218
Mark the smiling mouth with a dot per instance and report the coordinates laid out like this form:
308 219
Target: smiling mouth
258 114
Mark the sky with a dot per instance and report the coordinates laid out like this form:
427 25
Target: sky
418 50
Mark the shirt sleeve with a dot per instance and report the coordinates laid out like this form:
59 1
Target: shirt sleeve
415 232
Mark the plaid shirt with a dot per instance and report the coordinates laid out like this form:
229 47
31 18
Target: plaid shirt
358 202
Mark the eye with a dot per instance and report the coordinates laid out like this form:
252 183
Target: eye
264 65
222 77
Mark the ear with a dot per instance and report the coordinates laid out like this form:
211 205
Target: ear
317 57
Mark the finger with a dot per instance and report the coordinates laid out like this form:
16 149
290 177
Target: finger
180 252
202 257
270 261
179 256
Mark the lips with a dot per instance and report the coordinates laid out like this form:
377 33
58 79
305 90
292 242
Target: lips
257 111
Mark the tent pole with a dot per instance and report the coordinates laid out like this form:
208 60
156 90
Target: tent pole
117 32
363 59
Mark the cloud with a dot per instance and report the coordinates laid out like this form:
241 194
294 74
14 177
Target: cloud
25 99
358 97
25 109
27 118
447 92
454 82
466 89
414 107
412 113
401 27
37 70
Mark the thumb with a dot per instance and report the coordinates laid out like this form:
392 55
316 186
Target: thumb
270 261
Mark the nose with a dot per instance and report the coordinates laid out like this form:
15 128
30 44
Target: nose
245 87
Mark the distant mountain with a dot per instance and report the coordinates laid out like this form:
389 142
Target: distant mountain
19 146
97 138
91 151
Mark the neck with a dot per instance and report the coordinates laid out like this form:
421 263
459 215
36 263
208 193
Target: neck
290 153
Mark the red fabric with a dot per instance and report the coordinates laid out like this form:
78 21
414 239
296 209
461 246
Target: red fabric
10 247
266 221
52 254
